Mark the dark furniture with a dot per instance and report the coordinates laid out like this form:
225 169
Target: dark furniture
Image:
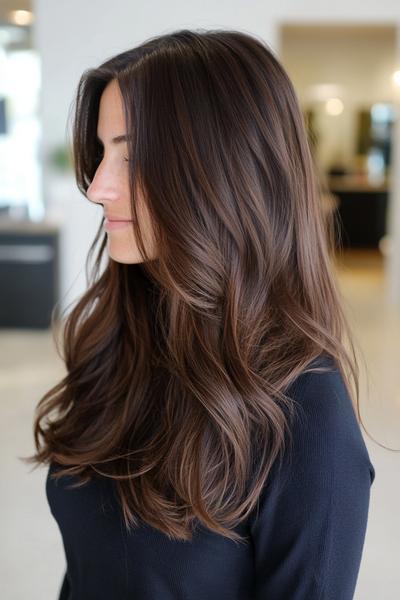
29 273
361 211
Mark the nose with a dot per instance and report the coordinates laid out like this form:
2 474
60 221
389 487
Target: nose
101 190
92 194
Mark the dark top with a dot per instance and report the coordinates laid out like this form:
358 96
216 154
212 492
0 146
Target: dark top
306 541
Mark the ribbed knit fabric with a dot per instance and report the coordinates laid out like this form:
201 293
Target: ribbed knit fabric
305 539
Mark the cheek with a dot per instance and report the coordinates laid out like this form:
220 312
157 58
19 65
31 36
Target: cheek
145 222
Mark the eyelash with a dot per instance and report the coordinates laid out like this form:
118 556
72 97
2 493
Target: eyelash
100 158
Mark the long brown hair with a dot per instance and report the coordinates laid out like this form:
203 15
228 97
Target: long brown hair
177 367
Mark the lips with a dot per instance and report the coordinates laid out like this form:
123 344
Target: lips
118 219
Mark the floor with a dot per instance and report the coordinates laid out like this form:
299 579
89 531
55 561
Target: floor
31 552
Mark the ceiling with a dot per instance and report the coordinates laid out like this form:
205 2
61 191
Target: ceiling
7 5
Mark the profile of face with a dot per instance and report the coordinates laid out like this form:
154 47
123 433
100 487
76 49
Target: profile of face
110 184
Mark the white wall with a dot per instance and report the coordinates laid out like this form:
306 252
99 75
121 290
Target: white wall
72 35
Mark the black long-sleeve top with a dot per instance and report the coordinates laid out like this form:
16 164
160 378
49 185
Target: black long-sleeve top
306 539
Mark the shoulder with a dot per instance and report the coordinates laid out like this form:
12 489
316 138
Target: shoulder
319 395
325 432
325 467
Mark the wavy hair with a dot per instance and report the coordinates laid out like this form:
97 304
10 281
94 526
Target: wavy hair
178 368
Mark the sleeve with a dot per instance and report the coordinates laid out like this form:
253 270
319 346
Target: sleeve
309 530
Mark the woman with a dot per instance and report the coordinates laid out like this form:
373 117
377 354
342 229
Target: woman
205 442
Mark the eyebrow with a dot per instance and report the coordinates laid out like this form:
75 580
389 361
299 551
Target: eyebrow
116 140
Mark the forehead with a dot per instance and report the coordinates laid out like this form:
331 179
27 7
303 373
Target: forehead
111 120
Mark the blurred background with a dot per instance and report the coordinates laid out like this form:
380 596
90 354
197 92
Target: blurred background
345 65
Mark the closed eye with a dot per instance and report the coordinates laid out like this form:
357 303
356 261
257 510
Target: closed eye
99 157
100 152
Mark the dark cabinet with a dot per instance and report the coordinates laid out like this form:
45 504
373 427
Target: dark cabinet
360 214
29 274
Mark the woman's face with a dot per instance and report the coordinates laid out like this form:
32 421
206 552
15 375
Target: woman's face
110 185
